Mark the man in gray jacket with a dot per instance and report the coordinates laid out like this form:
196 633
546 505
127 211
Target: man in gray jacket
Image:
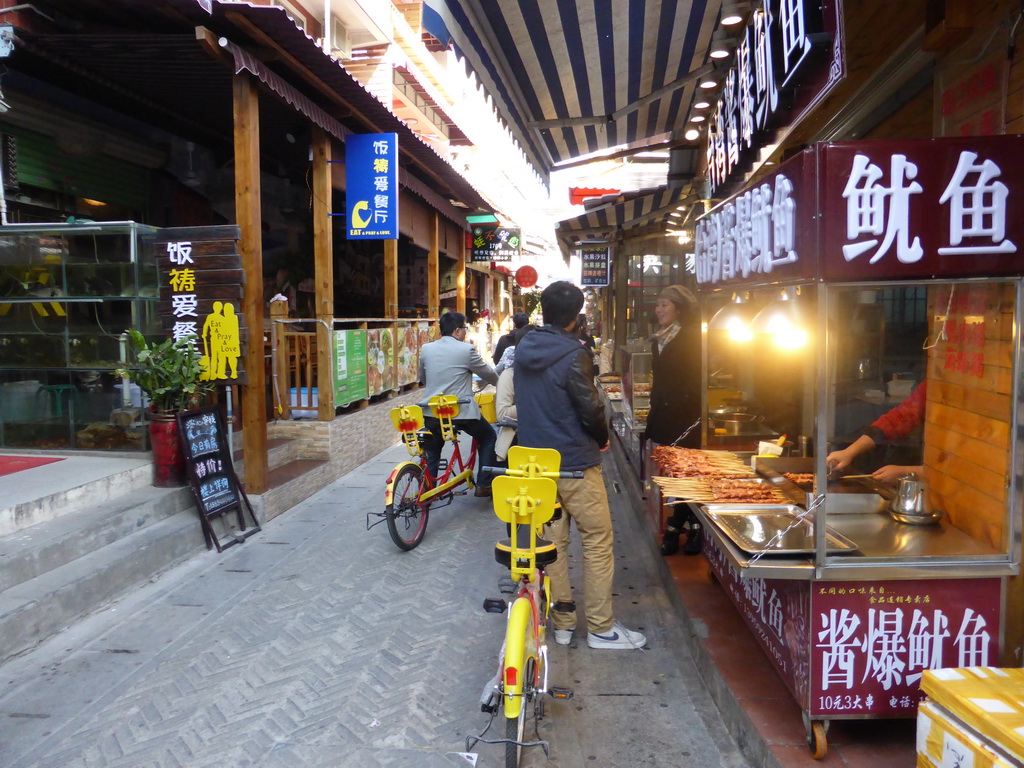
558 407
446 368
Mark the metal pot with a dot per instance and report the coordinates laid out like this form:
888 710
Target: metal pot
910 505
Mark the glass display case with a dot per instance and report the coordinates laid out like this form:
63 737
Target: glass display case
67 294
635 364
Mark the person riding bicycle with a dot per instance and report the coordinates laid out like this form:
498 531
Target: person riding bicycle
446 368
558 407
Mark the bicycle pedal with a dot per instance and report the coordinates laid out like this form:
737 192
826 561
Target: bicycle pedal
489 699
560 692
506 586
495 604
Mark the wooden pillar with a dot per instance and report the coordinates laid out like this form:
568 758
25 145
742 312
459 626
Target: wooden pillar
391 278
433 267
247 214
460 277
323 266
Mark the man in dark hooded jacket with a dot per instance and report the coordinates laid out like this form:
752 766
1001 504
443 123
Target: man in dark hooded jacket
558 407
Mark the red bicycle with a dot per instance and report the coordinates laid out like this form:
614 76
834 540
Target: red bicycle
411 490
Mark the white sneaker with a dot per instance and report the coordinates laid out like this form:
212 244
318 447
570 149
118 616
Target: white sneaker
563 636
617 637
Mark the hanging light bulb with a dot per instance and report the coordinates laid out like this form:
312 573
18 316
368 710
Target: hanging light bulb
783 320
734 319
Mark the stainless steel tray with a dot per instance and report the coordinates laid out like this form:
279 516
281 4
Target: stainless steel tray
776 530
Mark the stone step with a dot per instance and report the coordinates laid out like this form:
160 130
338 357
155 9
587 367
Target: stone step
34 610
68 490
34 551
294 482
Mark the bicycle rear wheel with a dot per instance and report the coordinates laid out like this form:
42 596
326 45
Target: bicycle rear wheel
520 656
407 515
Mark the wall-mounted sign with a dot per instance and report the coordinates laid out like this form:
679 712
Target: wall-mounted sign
371 186
349 366
595 265
789 58
201 289
493 243
874 210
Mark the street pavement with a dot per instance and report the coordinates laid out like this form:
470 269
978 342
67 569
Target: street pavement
319 643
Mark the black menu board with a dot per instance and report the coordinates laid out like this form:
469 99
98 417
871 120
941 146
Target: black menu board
212 475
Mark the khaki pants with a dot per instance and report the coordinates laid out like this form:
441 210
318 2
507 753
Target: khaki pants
586 502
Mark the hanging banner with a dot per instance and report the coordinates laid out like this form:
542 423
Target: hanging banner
493 243
371 186
201 288
595 265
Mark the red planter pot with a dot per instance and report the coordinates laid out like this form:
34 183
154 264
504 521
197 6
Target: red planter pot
168 459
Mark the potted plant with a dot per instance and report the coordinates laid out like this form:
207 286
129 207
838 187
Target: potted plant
170 375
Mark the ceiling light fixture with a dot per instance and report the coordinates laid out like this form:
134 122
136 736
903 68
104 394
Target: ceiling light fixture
734 12
697 119
702 105
708 83
720 45
691 135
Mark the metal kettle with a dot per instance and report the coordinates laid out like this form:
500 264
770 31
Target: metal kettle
910 504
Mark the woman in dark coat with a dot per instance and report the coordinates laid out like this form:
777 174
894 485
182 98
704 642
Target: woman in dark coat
676 393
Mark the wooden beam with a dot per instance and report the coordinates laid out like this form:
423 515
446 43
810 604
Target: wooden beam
323 269
247 215
620 283
433 265
390 278
310 77
460 277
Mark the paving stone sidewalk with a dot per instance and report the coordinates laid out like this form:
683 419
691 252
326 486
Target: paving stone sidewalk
318 643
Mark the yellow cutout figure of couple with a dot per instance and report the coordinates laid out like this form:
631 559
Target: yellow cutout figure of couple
221 344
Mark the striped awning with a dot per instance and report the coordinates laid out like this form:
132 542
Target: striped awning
609 217
573 77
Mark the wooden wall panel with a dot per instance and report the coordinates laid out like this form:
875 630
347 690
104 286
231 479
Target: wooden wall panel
967 422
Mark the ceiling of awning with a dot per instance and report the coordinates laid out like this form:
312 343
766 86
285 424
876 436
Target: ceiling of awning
613 215
604 68
144 59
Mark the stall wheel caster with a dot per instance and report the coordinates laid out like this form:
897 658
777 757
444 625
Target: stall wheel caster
817 741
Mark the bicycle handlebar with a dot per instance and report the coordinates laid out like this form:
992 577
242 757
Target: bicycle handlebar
574 475
460 401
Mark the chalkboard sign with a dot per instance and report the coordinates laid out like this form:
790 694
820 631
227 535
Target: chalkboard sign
212 475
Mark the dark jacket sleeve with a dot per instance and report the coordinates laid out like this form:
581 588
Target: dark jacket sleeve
583 393
502 345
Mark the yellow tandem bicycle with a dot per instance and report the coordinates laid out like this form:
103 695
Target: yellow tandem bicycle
524 497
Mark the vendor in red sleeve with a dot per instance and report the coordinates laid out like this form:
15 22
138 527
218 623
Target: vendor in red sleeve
898 422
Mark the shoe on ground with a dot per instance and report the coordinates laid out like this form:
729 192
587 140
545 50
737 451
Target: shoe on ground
563 636
670 543
481 491
617 637
693 542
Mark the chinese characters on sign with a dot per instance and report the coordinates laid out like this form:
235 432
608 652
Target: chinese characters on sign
371 186
595 265
871 641
963 332
200 290
874 210
494 243
776 56
753 233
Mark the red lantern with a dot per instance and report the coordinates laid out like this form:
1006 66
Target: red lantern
526 277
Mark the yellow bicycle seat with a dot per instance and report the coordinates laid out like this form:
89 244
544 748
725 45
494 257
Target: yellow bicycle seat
545 550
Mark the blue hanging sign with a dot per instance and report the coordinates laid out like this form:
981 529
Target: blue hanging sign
371 186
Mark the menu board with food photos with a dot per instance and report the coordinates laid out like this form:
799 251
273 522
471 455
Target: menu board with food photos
212 475
380 360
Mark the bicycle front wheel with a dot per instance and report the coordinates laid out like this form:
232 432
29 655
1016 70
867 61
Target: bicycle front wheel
407 515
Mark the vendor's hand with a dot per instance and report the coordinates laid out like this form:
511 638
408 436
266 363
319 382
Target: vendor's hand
607 444
891 473
838 460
